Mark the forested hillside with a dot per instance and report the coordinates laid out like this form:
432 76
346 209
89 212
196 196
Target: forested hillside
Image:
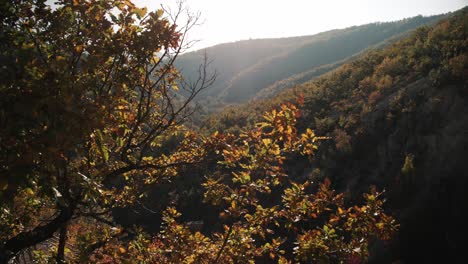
397 118
264 67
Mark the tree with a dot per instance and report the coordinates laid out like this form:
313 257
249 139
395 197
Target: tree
88 91
266 215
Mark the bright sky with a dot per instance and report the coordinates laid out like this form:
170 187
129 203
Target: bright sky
227 21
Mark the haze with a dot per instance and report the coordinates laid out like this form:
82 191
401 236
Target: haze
228 21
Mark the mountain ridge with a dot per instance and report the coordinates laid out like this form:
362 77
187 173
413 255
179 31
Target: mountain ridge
248 67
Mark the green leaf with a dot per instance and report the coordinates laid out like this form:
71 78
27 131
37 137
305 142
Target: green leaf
113 18
105 153
325 228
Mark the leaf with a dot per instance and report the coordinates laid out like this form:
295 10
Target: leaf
113 18
334 219
266 141
122 250
147 158
272 255
29 191
140 12
105 153
104 150
340 211
243 177
160 12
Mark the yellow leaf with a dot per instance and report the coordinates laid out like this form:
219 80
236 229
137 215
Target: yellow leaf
266 141
340 211
29 191
122 250
160 12
156 58
140 12
147 158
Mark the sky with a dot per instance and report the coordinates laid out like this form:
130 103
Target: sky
228 21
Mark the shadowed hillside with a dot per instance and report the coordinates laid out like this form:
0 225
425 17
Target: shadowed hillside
256 67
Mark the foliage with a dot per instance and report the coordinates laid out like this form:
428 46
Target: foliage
248 176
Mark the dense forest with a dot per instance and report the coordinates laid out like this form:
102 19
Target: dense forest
352 155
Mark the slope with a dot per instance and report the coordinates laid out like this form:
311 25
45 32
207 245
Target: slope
398 120
247 67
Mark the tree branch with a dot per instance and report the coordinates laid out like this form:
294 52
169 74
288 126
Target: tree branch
226 238
37 235
129 168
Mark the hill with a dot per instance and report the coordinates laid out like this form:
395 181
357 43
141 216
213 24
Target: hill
397 119
263 67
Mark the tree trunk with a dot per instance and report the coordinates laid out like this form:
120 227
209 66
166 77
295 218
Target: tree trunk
61 244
